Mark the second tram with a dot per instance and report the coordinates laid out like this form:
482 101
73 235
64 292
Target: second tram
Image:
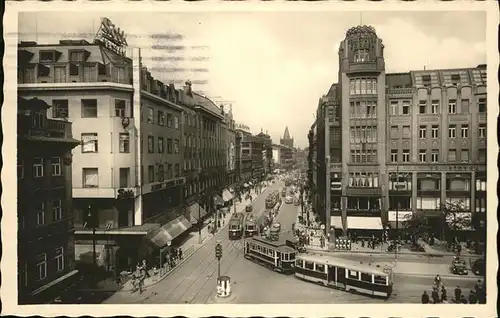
236 226
276 255
250 228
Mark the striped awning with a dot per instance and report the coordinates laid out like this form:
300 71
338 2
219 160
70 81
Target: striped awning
196 212
162 235
226 195
218 200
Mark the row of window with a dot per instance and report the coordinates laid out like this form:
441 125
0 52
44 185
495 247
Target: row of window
172 121
360 134
159 174
87 73
422 131
56 212
41 263
363 179
363 109
364 156
434 155
38 166
395 108
363 86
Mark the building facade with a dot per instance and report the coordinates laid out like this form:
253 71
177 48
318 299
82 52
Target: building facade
230 146
45 213
399 145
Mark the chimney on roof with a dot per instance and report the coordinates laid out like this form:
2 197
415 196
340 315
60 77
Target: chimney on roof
188 88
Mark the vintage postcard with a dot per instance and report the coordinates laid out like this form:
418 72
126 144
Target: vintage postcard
254 159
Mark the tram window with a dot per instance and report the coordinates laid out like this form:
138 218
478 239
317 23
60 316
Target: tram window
353 274
309 265
366 277
286 256
381 280
259 248
298 263
320 268
292 256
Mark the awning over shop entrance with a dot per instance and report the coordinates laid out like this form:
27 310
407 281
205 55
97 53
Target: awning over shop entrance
336 221
196 212
226 195
162 235
364 223
85 252
218 200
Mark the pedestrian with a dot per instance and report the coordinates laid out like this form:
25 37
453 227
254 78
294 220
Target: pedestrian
444 296
472 297
363 242
180 253
425 297
458 294
463 300
435 296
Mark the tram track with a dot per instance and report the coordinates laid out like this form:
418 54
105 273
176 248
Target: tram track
193 284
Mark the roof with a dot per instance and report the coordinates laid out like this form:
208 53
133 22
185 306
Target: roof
286 135
361 29
207 104
371 268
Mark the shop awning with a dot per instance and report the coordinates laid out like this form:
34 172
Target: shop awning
364 223
218 200
226 195
162 235
84 253
196 212
336 221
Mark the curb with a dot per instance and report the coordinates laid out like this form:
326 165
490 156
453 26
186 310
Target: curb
431 276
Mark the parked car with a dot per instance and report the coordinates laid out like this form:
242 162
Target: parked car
459 267
479 267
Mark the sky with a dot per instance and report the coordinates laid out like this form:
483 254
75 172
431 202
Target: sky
271 66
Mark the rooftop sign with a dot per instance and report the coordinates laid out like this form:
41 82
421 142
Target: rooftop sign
111 37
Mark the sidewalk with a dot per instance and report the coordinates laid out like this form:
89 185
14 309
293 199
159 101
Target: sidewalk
189 246
315 240
428 269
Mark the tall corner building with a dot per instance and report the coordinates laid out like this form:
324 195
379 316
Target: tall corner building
391 145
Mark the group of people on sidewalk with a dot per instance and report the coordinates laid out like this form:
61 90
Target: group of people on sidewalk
439 294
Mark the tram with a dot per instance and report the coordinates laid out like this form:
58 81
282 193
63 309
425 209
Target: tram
272 198
250 226
276 255
345 274
236 226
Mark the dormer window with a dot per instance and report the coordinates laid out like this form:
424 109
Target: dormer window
455 79
361 56
43 70
49 56
102 69
78 55
74 69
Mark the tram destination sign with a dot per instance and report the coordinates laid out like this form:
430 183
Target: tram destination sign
111 37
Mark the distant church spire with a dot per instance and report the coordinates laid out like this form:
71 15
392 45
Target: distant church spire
286 135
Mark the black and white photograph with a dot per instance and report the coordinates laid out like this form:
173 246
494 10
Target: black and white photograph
254 157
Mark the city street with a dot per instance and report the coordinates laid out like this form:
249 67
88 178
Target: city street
195 281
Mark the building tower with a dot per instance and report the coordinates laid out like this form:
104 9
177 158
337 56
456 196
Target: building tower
362 93
286 140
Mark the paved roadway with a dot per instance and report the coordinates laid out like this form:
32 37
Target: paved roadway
195 281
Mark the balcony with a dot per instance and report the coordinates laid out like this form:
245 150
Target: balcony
364 191
362 67
402 92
